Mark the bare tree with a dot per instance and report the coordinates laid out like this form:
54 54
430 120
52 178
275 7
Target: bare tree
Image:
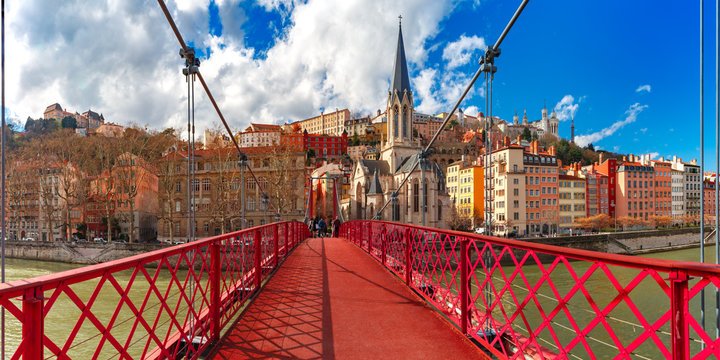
284 177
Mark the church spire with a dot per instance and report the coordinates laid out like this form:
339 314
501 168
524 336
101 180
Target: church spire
400 79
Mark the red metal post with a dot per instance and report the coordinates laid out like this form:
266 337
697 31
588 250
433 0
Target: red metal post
679 312
408 257
335 205
276 241
311 199
383 243
33 324
287 238
258 249
215 276
464 288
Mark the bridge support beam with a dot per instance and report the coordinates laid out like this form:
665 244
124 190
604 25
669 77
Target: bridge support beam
464 286
408 257
33 324
258 249
215 274
679 311
276 244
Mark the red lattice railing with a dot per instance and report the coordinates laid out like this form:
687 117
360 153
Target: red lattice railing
522 300
168 304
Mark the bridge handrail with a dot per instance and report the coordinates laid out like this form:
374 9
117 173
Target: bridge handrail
520 299
637 262
191 291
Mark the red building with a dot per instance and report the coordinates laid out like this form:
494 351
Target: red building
606 175
324 146
709 199
663 181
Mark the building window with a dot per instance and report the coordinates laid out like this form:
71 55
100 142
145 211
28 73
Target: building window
206 184
416 197
178 187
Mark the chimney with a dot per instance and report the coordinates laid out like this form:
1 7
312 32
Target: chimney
662 158
551 150
519 139
601 157
694 161
559 163
506 139
674 158
625 158
535 147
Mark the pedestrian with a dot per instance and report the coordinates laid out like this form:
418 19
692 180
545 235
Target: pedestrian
322 226
336 227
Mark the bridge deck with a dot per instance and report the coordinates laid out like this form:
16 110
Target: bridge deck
331 300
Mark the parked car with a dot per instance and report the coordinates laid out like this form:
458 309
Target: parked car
178 242
99 240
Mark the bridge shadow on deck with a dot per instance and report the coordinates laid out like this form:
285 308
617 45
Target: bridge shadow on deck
331 300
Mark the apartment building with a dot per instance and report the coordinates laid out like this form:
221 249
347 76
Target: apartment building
470 193
635 190
542 206
332 123
663 187
217 187
677 193
572 200
508 193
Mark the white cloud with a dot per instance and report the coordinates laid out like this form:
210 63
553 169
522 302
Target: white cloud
654 155
459 52
642 88
439 90
471 110
644 130
319 61
567 107
632 114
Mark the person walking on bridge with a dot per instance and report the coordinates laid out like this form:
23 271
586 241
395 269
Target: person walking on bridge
322 227
336 227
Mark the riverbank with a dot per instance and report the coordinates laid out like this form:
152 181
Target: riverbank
76 253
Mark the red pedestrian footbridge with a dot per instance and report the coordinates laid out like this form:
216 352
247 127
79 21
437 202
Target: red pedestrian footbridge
379 290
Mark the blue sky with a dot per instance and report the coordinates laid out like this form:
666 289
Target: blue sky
628 70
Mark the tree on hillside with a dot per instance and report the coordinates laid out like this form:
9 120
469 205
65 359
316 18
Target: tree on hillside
526 134
590 147
68 122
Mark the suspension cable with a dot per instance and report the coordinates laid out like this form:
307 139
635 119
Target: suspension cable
185 49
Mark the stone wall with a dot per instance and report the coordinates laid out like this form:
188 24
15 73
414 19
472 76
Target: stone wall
75 253
630 242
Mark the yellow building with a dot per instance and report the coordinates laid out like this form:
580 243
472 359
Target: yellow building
465 185
572 201
330 124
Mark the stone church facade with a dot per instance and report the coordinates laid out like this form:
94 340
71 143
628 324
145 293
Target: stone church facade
374 181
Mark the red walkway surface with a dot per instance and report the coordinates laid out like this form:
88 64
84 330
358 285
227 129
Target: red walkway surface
331 300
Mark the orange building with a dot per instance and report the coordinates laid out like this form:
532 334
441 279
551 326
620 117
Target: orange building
635 190
663 182
541 179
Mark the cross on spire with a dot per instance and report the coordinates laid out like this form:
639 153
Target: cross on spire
400 19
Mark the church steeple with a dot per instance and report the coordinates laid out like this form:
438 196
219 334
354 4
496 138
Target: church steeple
400 79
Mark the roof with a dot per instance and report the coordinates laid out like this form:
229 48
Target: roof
375 187
54 106
91 115
376 165
263 127
400 80
408 163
